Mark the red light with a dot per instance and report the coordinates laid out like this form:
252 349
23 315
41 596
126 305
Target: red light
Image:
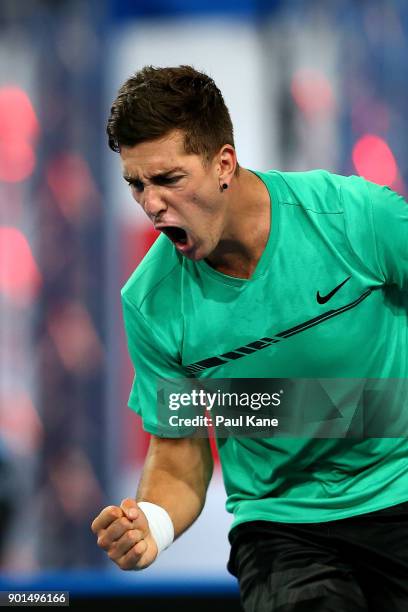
374 160
17 160
17 116
18 131
19 422
312 92
19 275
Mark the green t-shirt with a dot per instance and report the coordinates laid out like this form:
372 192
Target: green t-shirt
184 318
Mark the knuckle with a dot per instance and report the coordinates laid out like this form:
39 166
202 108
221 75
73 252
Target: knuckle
130 537
132 557
124 564
138 534
127 567
113 512
140 548
123 522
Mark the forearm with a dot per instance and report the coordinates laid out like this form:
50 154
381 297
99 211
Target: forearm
175 476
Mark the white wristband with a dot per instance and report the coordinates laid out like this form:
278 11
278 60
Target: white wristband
160 524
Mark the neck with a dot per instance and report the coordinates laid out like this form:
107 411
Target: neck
247 226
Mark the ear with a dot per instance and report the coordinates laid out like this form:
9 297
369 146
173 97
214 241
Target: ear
227 163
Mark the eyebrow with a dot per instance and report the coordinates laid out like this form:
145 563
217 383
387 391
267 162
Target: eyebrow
154 177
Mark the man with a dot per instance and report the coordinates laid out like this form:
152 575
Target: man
262 275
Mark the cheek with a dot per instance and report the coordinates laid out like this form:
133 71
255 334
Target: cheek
205 202
199 204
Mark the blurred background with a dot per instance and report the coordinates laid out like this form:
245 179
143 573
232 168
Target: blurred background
309 83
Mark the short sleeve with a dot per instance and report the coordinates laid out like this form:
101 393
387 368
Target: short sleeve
152 361
390 225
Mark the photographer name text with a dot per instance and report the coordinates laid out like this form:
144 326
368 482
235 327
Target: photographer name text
242 420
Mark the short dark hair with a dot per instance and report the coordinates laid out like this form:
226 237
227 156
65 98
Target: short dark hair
155 101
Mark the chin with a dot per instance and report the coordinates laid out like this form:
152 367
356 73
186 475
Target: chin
198 251
194 255
197 254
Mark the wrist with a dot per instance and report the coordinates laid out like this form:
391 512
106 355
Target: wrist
160 524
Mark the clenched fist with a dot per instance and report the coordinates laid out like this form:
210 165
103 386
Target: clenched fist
123 532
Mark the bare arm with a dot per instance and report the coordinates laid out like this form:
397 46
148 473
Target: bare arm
175 476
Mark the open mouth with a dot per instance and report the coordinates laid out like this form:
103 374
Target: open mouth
176 234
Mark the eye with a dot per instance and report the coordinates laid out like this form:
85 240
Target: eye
135 184
168 180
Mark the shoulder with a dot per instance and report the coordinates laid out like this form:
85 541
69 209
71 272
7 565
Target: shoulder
157 273
322 191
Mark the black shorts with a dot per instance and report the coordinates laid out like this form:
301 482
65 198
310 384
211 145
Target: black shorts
357 564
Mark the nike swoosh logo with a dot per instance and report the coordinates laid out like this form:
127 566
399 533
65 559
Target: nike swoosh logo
322 299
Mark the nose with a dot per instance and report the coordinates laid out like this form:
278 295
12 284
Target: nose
153 203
